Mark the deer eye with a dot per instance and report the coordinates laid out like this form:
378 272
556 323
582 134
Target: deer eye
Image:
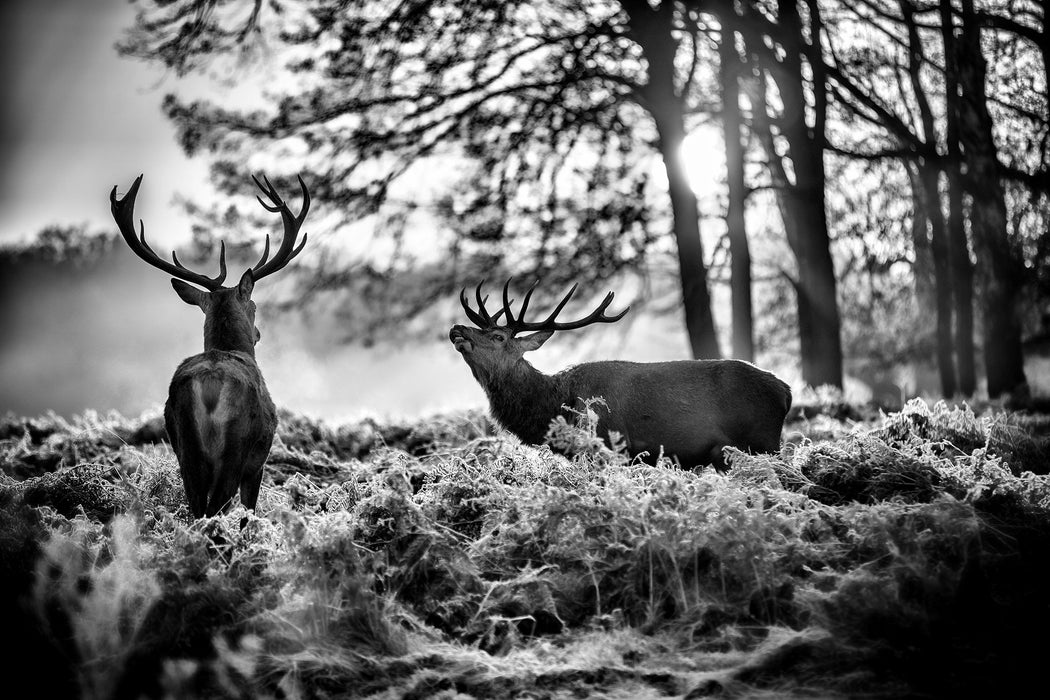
498 337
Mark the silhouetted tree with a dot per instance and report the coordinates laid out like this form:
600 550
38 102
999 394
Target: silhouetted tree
903 109
530 93
731 66
958 245
1000 270
785 45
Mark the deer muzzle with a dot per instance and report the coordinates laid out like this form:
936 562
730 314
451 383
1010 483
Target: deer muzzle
460 340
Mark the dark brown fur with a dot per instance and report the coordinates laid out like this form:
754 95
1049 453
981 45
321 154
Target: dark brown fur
688 409
219 415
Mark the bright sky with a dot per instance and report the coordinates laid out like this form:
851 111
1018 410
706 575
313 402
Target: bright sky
77 119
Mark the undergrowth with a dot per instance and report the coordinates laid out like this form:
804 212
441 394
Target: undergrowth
897 555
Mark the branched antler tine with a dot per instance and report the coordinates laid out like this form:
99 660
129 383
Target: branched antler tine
299 248
617 317
596 316
289 258
222 261
507 301
604 305
218 279
142 236
124 214
525 301
292 224
482 311
557 309
471 314
267 207
306 203
269 192
273 190
266 253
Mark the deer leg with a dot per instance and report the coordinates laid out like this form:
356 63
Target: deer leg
253 471
192 470
250 493
253 474
223 487
193 465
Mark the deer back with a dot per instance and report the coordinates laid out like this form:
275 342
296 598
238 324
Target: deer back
688 408
220 421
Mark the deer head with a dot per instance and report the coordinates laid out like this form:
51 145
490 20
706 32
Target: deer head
493 349
229 312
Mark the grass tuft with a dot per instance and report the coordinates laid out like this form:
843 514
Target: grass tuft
880 555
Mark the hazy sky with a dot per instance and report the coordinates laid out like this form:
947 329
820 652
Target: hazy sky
77 119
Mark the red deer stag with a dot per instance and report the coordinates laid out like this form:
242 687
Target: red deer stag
219 416
688 409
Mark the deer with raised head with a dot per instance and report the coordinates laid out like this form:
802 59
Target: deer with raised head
219 415
685 409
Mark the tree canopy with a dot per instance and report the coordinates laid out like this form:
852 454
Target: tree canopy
903 145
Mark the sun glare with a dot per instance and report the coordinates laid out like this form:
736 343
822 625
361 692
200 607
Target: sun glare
705 161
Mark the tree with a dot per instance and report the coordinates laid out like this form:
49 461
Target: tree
730 68
530 92
862 77
1000 270
974 164
786 47
958 246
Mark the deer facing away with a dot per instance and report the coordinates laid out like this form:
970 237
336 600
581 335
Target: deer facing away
219 416
688 409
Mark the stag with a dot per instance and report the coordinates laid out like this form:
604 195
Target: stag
219 415
688 409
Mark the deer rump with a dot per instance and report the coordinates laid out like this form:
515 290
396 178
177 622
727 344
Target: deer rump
220 421
689 409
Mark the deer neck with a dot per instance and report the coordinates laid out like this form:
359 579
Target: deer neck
229 333
524 400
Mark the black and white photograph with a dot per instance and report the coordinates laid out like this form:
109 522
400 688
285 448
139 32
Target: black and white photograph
490 349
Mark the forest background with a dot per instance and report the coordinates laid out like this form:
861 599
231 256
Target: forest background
851 194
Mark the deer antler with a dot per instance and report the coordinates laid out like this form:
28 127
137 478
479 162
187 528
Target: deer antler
292 224
124 214
482 319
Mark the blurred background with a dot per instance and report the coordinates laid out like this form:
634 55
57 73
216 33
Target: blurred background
849 194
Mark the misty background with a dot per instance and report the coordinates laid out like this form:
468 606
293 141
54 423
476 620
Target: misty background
105 335
105 331
77 120
108 334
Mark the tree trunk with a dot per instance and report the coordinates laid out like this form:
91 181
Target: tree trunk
819 323
922 267
929 176
653 29
805 227
999 268
739 250
959 251
928 220
686 216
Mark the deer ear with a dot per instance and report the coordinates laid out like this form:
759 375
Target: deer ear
189 293
246 285
534 341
